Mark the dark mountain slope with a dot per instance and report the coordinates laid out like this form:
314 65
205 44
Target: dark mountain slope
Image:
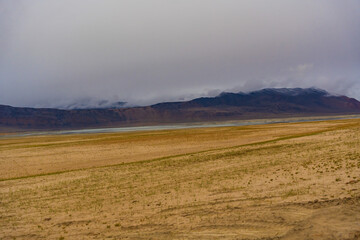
226 106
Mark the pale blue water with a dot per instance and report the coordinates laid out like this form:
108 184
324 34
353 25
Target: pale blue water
179 126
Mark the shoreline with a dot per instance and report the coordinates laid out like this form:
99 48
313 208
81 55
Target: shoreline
232 123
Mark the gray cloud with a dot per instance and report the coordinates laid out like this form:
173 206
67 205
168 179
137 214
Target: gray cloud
140 51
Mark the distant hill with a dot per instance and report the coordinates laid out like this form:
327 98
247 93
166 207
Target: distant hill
92 104
265 103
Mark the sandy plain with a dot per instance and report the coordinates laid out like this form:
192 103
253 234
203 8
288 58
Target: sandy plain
277 181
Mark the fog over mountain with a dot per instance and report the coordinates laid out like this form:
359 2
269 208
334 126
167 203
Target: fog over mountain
59 53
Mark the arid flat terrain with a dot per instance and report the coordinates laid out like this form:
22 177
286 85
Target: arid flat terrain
277 181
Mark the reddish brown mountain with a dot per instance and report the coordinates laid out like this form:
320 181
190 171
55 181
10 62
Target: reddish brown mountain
227 106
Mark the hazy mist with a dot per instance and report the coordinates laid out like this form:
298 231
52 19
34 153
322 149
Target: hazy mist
144 51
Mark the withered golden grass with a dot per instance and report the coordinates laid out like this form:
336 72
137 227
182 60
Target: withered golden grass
298 180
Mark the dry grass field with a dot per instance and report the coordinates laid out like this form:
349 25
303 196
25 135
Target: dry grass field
278 181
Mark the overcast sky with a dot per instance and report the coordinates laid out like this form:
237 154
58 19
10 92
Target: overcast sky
143 51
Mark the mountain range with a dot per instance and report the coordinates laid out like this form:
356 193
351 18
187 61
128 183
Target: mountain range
265 103
92 104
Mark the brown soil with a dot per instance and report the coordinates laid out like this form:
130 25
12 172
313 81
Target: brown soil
281 181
